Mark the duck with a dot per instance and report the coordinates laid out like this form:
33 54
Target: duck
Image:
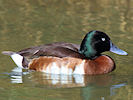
70 58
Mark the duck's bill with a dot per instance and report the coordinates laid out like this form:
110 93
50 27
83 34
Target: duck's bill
116 50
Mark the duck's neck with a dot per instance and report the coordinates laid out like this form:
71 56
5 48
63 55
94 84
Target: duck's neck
86 48
88 53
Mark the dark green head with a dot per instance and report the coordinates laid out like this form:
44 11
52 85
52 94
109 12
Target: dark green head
96 42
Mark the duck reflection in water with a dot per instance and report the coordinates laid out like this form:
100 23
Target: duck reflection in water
61 80
88 85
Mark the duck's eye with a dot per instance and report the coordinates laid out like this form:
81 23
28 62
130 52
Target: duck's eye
103 39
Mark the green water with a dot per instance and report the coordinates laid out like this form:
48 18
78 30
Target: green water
28 23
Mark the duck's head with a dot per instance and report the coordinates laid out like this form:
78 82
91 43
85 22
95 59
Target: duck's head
96 42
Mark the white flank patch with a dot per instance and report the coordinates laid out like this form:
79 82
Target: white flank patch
64 70
17 59
55 68
47 70
79 69
70 71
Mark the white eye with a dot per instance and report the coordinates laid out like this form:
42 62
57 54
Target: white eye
103 39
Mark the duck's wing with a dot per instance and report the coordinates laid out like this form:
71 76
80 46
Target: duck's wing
58 49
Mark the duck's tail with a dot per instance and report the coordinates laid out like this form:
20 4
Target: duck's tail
8 53
17 58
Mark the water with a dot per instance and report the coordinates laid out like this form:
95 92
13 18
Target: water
33 22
